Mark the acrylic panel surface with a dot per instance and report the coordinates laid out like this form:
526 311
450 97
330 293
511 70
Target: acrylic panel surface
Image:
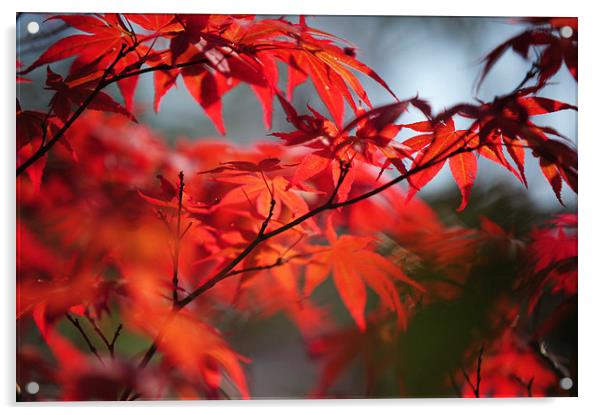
233 207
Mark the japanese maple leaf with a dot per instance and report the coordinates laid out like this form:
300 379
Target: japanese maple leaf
317 132
558 162
336 350
195 348
155 23
213 77
271 284
505 122
206 84
103 38
308 127
371 144
67 97
204 40
57 284
435 148
353 264
285 273
553 252
266 165
310 53
329 68
29 125
255 190
556 49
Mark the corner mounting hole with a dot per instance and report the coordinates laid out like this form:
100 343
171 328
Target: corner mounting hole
566 383
566 32
32 388
33 28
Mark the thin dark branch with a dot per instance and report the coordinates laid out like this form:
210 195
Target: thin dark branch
178 240
530 387
478 383
98 331
152 349
59 134
162 67
280 261
467 378
110 345
527 385
266 222
186 230
114 340
476 387
454 384
528 76
80 329
344 170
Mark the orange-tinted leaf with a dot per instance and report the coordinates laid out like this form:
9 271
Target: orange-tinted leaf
194 347
464 169
310 166
354 264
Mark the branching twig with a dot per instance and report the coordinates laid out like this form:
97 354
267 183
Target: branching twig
152 349
527 385
80 329
476 387
274 264
114 340
178 239
479 361
344 167
467 378
266 222
98 331
109 344
533 71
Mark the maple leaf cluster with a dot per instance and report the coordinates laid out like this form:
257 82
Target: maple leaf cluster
119 234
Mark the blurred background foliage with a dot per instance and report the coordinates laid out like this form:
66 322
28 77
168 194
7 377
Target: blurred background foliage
441 336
